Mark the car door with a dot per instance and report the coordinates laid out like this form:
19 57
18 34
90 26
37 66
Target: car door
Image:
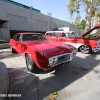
59 39
64 37
73 39
17 43
49 36
12 42
56 37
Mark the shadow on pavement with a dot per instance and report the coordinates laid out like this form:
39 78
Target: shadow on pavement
4 55
34 87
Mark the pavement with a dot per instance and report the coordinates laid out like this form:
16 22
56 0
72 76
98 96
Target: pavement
4 80
77 80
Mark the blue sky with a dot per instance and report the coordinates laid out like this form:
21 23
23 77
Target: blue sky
56 7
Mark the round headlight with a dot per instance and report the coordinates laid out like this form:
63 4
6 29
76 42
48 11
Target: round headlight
55 59
74 52
50 60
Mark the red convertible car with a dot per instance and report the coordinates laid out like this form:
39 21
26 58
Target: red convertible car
39 52
86 43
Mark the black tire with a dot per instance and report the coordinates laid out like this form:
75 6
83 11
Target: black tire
12 50
31 66
86 49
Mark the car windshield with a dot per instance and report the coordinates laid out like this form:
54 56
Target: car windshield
33 37
74 35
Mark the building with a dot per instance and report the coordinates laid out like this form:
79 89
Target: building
70 29
16 17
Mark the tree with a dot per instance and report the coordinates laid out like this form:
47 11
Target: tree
96 11
77 20
96 14
89 6
81 25
73 7
88 9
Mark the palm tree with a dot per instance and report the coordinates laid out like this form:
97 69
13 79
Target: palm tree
89 5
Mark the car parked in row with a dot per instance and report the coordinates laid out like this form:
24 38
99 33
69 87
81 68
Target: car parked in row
39 52
86 43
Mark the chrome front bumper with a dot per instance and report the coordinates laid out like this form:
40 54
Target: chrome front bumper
68 58
96 49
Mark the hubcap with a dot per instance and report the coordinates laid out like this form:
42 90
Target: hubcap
85 49
11 49
28 62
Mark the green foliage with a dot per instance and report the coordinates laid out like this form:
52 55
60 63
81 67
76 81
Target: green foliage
81 25
4 41
85 1
88 36
91 36
78 26
77 20
70 7
74 7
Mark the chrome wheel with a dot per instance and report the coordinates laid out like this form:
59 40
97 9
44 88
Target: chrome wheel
12 50
28 62
85 49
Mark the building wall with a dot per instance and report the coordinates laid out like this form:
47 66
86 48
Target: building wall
5 35
75 30
0 35
70 29
28 20
14 10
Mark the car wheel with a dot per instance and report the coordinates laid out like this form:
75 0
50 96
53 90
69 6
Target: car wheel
12 50
85 49
30 64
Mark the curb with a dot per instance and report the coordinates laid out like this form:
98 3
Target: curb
4 45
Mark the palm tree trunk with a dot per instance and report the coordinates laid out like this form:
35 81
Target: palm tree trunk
88 16
96 23
96 20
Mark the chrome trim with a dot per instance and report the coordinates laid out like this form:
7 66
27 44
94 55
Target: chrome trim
60 61
96 49
98 41
74 52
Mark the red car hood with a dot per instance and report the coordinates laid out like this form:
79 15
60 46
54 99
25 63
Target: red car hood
98 26
48 48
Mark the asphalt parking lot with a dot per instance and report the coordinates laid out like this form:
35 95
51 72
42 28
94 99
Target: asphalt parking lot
85 85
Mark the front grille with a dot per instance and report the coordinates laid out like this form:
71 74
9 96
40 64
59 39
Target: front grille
62 59
68 57
98 46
